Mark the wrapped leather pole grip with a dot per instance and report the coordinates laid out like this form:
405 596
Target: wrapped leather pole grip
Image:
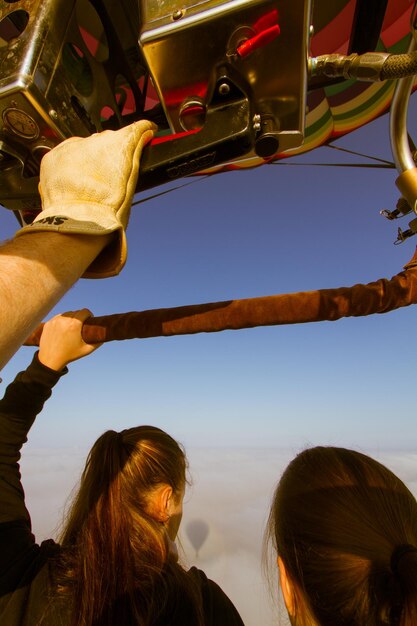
380 296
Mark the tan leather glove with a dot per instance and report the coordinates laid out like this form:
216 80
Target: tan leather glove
87 186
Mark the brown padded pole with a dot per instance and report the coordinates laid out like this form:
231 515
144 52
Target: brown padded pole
380 296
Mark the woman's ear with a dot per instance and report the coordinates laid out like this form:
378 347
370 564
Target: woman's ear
165 502
160 503
287 588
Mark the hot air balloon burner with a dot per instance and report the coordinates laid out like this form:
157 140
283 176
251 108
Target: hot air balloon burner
202 68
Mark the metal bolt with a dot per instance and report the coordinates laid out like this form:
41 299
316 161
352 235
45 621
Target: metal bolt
53 114
177 15
224 89
257 126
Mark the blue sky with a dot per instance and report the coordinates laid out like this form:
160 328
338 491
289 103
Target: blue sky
275 229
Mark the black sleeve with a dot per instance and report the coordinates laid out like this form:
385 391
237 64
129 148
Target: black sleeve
218 608
23 400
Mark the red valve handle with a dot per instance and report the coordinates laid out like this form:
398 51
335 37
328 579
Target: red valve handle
258 41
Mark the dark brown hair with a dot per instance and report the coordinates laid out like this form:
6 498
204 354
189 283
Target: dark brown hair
336 519
116 565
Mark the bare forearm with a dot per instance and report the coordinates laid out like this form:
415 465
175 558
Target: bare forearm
36 270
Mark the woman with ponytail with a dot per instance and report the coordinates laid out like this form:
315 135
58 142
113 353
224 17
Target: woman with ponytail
344 528
116 563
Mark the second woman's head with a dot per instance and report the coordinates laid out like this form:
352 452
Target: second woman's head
345 531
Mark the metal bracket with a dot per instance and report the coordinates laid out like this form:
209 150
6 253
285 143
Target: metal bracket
227 134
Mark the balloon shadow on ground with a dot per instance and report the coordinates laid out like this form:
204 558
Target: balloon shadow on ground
197 532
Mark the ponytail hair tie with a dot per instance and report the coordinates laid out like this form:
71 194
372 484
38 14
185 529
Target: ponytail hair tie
398 554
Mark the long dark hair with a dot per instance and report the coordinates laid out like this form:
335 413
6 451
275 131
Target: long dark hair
337 519
115 565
